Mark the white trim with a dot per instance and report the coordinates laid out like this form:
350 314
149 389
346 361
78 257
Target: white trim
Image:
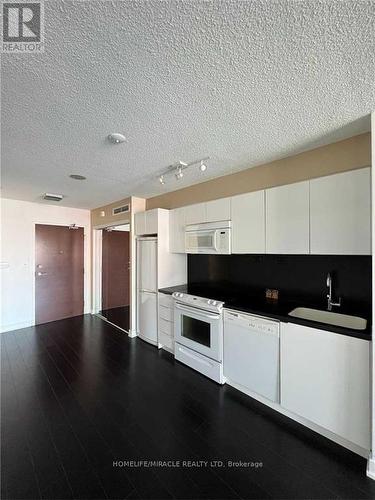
370 472
307 423
371 461
133 277
97 271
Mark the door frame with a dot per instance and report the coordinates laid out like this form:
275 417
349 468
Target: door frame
97 273
86 263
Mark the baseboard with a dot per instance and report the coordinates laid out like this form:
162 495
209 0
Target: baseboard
359 450
15 326
371 467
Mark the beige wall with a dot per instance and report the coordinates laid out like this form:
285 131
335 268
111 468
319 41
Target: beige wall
98 220
349 154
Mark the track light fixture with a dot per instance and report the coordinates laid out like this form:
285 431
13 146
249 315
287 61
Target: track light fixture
177 169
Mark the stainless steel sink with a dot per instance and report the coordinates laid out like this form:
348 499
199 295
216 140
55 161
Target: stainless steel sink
330 318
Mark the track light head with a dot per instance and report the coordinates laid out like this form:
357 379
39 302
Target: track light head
179 174
202 166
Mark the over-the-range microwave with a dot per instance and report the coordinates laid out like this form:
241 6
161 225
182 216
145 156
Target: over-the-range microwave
210 237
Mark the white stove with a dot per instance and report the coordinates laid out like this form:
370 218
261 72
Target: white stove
199 334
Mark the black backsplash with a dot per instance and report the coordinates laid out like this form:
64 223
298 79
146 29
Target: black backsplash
297 277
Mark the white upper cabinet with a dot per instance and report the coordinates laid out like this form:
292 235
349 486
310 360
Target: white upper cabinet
218 210
287 219
147 222
248 223
152 221
340 213
177 230
195 214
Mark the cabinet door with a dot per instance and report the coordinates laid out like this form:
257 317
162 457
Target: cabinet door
218 210
140 223
248 223
177 230
195 214
152 221
325 378
287 219
340 213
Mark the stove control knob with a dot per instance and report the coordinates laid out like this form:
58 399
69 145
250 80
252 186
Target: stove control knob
209 302
214 302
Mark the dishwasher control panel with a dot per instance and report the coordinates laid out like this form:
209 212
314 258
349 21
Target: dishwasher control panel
255 323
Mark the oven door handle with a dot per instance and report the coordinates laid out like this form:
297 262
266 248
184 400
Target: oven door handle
198 312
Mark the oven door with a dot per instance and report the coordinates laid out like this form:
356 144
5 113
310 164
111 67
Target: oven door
201 241
199 330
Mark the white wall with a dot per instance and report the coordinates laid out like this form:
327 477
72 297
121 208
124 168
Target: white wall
18 219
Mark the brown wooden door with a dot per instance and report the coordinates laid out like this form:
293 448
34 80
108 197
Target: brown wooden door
59 273
115 269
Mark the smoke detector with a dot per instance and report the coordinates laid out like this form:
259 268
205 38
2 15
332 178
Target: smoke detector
116 138
52 197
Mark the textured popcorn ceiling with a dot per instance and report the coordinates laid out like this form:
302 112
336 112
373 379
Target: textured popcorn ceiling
244 82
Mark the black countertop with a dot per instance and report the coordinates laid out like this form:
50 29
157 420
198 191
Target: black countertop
254 303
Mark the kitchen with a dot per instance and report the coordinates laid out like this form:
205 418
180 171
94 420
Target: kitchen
188 224
276 300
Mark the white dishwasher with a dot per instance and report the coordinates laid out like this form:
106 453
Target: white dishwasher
252 353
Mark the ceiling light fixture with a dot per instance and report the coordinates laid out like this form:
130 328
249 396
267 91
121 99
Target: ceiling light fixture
77 177
177 169
116 138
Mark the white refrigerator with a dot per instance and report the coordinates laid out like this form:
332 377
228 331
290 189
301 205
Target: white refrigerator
147 289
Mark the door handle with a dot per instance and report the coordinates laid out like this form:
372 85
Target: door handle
40 273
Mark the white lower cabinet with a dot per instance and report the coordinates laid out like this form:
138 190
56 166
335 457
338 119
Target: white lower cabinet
165 322
325 379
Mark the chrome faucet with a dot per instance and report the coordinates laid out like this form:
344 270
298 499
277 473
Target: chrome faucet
329 294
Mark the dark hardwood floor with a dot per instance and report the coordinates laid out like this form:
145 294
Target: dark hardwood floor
119 316
78 396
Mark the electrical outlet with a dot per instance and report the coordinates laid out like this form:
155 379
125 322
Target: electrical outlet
272 294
